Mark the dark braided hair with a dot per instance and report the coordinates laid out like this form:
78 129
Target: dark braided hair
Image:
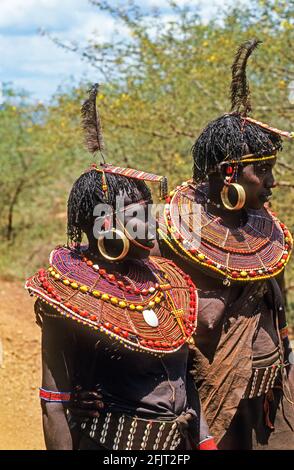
230 137
87 192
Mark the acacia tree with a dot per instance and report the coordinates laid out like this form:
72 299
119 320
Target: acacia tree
164 80
39 146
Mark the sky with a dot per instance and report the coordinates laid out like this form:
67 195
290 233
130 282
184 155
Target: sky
33 62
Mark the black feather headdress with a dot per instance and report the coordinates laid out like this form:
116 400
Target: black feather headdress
91 123
240 93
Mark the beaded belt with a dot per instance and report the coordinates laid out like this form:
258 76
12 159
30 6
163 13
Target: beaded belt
265 372
118 431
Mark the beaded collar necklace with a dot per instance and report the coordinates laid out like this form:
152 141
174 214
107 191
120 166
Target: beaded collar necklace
258 250
119 279
159 319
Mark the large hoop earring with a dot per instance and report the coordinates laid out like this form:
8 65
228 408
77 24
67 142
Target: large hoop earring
225 196
126 246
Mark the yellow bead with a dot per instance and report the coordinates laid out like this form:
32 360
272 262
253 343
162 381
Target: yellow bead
57 276
132 307
84 288
243 273
66 282
50 269
201 256
74 285
53 273
287 239
139 308
96 293
105 297
282 261
114 300
122 304
157 300
151 304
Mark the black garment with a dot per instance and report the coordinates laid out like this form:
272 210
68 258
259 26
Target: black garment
131 382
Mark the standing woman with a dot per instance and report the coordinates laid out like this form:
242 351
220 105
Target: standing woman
216 228
116 321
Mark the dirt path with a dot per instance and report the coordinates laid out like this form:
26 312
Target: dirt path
20 416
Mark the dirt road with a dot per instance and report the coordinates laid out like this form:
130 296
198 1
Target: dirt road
20 417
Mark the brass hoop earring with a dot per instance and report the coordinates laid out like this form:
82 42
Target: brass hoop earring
126 246
241 196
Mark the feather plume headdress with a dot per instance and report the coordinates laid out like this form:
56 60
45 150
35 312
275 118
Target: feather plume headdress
234 136
91 124
240 92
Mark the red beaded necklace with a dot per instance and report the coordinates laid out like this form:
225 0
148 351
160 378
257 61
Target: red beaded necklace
119 280
161 323
258 250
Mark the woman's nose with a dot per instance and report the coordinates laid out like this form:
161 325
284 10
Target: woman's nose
271 182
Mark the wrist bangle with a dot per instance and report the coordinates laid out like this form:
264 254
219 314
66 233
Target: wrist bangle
284 332
207 444
48 395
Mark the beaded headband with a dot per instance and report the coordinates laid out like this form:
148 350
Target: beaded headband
273 130
94 141
253 158
134 174
240 98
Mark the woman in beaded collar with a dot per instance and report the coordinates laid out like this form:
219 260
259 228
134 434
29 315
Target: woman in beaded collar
112 316
216 228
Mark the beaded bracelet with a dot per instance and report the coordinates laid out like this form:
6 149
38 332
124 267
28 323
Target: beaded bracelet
207 443
50 396
284 332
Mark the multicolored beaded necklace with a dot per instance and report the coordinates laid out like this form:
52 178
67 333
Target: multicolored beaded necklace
119 279
259 249
156 312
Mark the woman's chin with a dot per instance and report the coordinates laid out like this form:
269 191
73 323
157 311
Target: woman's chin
139 253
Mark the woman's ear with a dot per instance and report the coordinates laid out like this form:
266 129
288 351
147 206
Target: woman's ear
107 224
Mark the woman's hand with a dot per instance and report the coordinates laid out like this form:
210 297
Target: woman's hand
85 403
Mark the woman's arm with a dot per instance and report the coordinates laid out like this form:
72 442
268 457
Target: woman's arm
201 438
57 359
283 331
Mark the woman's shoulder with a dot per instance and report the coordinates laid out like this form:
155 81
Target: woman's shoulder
45 310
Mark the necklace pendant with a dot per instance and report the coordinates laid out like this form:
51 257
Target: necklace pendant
150 318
